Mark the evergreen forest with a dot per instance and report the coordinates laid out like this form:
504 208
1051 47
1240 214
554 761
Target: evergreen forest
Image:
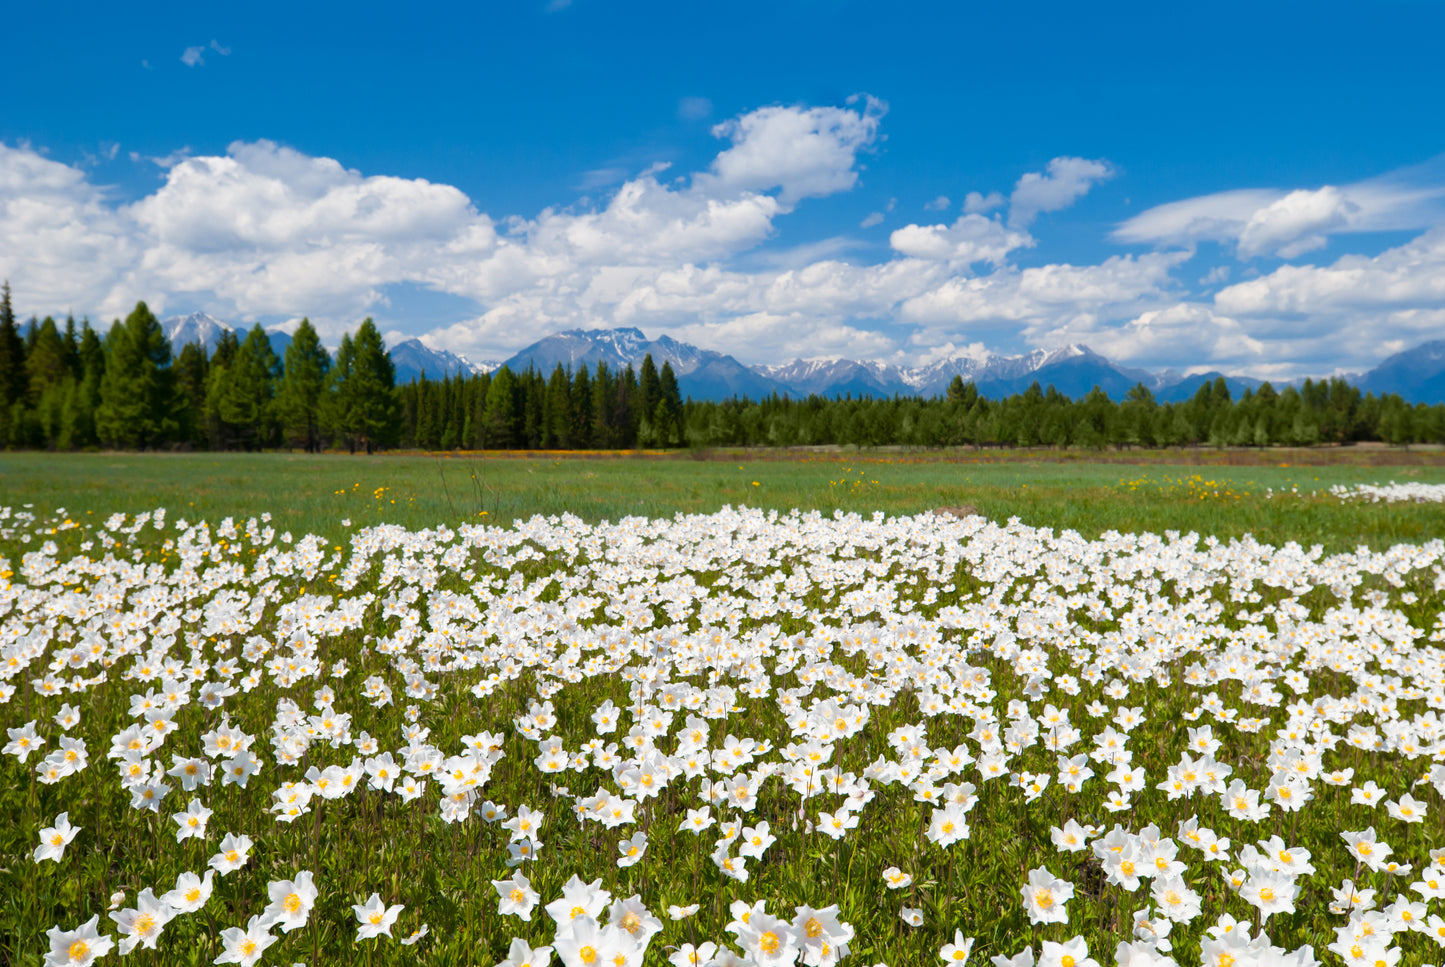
65 386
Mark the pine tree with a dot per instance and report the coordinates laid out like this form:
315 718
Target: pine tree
246 396
192 368
369 392
138 405
14 381
45 363
649 389
499 416
77 417
582 419
667 416
336 406
222 435
557 411
302 388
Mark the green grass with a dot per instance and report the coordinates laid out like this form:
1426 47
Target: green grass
315 494
442 873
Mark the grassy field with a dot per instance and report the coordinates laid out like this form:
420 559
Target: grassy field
318 493
864 719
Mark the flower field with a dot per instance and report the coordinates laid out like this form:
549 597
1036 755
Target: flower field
745 737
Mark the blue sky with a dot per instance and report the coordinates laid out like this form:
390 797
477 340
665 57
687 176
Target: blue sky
1257 187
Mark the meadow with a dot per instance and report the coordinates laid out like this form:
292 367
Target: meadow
461 710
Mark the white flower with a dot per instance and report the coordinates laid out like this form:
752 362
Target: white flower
192 822
1045 897
245 947
54 839
375 917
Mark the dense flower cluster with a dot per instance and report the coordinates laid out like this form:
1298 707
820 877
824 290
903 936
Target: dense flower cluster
1391 493
787 683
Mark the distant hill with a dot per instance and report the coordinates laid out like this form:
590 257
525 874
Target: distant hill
1416 374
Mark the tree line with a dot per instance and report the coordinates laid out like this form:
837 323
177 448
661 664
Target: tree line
67 387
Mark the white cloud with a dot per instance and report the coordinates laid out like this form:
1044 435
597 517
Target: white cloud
972 238
802 152
975 203
1294 224
1409 276
694 108
873 218
1065 182
62 242
1270 221
268 231
1216 275
1045 298
1163 337
196 56
939 204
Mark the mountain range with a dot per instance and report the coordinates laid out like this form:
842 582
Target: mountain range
1417 374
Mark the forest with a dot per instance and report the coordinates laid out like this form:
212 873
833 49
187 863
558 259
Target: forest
65 386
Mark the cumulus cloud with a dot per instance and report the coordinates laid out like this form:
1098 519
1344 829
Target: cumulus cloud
1162 337
1065 181
1409 276
265 231
1290 223
972 238
976 203
62 242
803 153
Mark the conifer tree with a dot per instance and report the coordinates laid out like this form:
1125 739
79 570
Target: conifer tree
14 381
557 411
303 387
246 396
192 367
499 415
372 413
137 395
335 408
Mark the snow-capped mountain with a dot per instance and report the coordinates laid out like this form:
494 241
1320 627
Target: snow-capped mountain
197 327
1417 374
701 373
413 358
837 377
207 330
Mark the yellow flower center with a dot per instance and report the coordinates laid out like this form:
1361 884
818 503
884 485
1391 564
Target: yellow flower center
769 943
79 950
813 927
